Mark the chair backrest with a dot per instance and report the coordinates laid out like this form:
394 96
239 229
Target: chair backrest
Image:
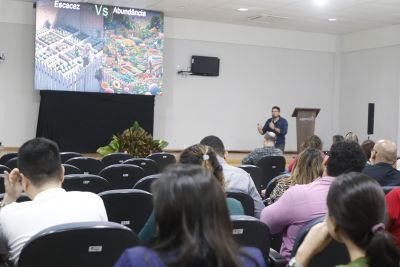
115 158
4 168
86 164
272 184
122 176
271 166
85 182
249 231
148 165
71 169
69 155
12 163
387 189
246 201
129 207
256 174
163 159
334 254
2 188
7 157
145 182
78 244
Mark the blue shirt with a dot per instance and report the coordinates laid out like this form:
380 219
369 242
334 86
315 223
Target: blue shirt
282 125
145 257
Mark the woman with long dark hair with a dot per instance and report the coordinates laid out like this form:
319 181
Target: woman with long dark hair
356 217
206 157
194 228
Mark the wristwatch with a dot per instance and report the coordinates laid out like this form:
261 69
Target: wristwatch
293 263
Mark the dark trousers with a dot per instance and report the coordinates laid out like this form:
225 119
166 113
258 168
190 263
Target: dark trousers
281 147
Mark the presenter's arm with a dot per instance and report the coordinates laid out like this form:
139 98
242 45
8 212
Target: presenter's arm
259 128
283 129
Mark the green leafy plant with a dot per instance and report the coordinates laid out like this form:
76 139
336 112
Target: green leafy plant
134 141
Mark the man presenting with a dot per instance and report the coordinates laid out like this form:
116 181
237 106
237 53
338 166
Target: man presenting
277 125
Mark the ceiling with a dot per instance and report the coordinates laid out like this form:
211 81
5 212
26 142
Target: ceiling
301 15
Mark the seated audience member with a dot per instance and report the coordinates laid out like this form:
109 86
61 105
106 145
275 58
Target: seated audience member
350 136
393 208
40 175
236 179
356 217
205 157
308 168
367 147
383 158
337 138
302 203
311 142
266 151
194 227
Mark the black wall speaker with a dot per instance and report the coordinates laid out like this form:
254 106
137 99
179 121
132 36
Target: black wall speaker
371 111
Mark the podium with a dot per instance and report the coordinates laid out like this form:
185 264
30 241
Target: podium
305 123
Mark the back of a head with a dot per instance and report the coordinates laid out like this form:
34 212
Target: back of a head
367 147
350 136
215 143
193 219
308 166
204 156
312 142
39 160
386 151
345 157
270 137
337 138
357 204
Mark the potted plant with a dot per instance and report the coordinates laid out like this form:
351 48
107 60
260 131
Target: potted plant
134 141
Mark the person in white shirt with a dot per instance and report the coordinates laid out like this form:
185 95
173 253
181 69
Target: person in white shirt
236 179
40 175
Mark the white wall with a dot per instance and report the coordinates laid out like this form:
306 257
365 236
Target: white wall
252 79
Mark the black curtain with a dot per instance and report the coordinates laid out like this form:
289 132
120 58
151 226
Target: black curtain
83 122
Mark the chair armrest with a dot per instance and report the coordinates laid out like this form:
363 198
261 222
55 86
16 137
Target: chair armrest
276 259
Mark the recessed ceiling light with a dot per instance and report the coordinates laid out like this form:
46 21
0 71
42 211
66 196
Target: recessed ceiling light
242 9
332 19
320 2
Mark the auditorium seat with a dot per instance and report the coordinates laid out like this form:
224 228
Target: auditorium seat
22 198
4 168
145 182
271 166
7 157
12 163
163 159
129 207
148 165
122 176
255 174
334 254
2 189
246 201
115 158
85 182
71 169
81 244
86 164
69 155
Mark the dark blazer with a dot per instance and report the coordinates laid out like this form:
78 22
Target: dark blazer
384 173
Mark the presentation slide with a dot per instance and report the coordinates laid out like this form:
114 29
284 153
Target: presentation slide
98 48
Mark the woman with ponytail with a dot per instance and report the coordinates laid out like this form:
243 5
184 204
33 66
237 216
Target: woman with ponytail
356 217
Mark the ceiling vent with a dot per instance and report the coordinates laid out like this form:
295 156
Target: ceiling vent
268 19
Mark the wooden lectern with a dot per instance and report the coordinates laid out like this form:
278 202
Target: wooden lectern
305 123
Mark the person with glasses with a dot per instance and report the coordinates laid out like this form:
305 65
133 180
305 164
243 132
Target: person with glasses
277 125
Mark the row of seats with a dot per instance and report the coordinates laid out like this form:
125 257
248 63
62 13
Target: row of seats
101 243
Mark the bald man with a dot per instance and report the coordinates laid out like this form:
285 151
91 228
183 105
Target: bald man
383 159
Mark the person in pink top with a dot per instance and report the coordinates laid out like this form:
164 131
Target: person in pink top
302 203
